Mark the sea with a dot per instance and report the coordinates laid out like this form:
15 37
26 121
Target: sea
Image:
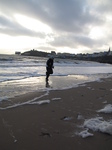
23 74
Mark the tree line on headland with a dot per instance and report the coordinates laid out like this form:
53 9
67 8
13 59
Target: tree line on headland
102 57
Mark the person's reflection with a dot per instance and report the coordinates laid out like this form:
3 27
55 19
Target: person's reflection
47 84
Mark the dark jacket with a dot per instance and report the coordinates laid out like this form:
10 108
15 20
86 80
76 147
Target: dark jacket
49 63
49 66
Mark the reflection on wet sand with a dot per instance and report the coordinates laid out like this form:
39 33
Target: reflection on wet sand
47 84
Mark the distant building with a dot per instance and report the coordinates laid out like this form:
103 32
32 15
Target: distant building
17 53
53 53
109 52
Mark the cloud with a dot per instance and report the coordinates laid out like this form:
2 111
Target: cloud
64 15
71 21
101 6
12 28
73 41
46 48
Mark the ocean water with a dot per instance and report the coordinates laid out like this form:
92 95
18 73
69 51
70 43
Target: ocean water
20 74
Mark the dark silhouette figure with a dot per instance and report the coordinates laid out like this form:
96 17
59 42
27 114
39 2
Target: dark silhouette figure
49 68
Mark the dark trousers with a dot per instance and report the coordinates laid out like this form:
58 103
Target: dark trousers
48 72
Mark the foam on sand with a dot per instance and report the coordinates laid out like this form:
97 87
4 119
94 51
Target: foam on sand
85 134
56 99
106 109
41 102
29 102
98 124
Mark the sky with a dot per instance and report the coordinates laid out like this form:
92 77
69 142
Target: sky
66 26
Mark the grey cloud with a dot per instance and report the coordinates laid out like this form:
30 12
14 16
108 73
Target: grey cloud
104 6
4 21
11 27
62 42
64 15
21 32
70 19
46 48
73 41
69 16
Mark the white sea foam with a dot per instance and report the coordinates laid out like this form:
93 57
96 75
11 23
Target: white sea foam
56 99
106 109
29 102
80 117
41 102
67 118
98 124
104 102
85 134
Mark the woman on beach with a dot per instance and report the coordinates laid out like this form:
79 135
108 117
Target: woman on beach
49 68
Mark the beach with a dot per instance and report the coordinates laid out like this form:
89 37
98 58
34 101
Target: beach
57 119
20 75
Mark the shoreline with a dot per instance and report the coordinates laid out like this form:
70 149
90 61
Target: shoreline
54 124
13 89
32 96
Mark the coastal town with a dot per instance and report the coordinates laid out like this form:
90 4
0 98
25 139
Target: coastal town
102 57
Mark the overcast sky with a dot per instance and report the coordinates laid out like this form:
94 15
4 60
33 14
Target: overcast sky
75 26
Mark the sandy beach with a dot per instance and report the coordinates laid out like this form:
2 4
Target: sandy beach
54 120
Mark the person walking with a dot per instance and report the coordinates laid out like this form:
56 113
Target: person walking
49 68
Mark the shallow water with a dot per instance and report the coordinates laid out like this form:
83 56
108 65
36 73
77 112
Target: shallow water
20 75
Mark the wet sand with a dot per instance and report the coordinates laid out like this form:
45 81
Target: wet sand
46 127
